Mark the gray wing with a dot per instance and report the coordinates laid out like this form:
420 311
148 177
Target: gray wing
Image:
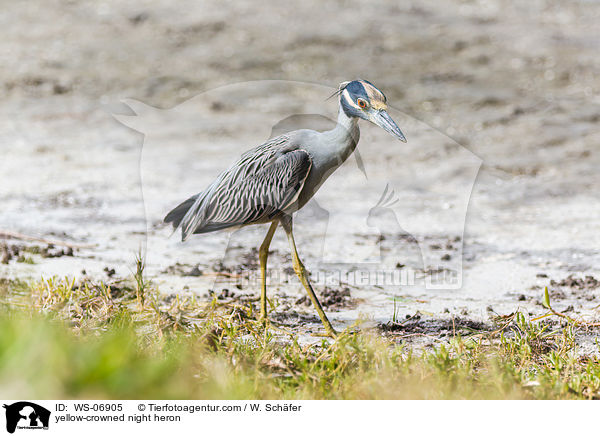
262 183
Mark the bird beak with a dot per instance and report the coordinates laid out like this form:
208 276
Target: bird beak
383 120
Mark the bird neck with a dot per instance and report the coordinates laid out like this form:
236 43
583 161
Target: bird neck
345 134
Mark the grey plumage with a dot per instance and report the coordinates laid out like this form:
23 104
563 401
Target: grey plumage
267 180
258 187
272 181
177 214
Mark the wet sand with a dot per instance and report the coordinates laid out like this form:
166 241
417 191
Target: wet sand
499 103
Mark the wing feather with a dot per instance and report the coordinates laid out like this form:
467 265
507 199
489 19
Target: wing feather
262 183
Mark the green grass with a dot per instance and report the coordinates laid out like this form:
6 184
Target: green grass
60 339
25 259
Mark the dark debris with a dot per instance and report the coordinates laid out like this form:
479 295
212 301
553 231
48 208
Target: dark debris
438 327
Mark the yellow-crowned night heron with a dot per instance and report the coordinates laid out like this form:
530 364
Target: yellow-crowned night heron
272 181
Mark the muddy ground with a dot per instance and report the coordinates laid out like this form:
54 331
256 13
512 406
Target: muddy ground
498 181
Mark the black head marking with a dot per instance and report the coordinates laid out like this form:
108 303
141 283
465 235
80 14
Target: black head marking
357 90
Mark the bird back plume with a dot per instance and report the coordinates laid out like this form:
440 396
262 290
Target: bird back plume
341 87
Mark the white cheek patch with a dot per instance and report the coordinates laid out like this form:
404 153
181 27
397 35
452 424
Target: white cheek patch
348 99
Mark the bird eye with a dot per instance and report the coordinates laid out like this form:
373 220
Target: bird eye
361 103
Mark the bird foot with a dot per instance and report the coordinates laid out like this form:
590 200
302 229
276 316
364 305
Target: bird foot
326 334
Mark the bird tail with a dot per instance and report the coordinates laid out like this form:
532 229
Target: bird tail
176 215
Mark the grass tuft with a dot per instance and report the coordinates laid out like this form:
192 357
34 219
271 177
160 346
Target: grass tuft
126 340
140 281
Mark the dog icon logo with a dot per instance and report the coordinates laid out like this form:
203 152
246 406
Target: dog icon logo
26 415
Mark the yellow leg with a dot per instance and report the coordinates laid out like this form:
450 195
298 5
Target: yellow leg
263 254
301 273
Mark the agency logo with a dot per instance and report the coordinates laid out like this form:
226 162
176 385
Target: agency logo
26 415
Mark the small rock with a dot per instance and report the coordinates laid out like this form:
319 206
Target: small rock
139 18
6 256
225 294
195 272
303 300
217 106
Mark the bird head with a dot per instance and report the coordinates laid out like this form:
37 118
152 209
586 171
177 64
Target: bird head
361 99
